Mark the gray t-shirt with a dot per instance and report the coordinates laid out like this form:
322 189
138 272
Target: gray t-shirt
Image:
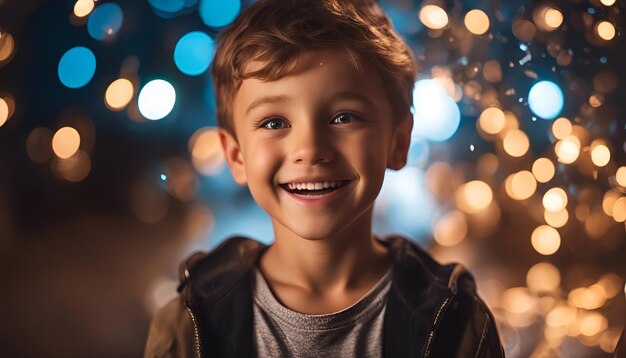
356 331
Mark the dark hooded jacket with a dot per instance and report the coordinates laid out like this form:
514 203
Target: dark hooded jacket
432 309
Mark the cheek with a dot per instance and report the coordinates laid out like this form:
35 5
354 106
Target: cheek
262 162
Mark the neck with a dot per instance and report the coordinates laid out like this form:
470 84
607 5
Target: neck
341 262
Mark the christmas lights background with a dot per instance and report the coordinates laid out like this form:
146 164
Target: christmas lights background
111 172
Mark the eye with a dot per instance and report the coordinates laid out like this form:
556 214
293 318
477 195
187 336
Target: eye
274 123
344 118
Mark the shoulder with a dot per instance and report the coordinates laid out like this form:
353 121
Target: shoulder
171 332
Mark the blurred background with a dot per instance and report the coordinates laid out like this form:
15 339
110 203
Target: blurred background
111 171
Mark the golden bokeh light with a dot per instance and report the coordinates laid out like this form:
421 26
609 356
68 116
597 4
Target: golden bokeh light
516 143
589 298
593 323
451 229
543 170
181 179
555 199
561 315
619 210
65 142
474 196
118 94
523 185
607 2
556 219
545 240
433 17
476 21
83 8
518 300
561 128
7 46
492 120
620 176
524 30
206 151
597 225
606 30
612 284
543 277
73 169
553 17
608 201
39 145
4 111
600 155
567 149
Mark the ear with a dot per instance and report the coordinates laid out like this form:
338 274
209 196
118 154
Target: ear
400 143
234 156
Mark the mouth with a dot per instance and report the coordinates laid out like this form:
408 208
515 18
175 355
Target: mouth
314 189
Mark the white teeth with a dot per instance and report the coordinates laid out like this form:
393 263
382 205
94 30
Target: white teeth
313 185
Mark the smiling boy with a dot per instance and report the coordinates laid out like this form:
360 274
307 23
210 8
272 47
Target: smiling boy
314 102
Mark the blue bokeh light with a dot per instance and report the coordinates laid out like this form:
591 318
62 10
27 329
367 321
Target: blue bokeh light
105 21
193 53
436 115
77 67
156 99
545 99
218 13
170 6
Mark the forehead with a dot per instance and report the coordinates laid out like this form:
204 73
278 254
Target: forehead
316 75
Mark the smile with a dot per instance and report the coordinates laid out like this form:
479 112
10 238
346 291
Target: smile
314 197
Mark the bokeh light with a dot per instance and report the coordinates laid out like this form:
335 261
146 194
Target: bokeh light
518 300
561 128
523 185
476 21
119 94
206 151
492 120
436 114
606 30
545 240
77 67
105 21
7 47
600 155
561 315
607 2
556 219
65 142
553 17
83 8
567 149
620 176
156 99
4 111
543 277
474 196
451 229
193 53
73 169
619 210
545 99
543 170
433 17
555 199
516 143
218 13
39 145
170 6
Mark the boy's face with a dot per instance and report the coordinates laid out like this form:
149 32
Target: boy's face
325 122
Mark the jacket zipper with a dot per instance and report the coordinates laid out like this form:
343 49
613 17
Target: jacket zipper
431 335
196 333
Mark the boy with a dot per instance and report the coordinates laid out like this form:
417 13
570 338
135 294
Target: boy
314 102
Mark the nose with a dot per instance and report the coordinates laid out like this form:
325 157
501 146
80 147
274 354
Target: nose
311 146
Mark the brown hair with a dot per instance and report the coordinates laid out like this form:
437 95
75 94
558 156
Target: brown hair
277 31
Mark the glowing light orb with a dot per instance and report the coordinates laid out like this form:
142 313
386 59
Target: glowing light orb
65 142
567 149
619 210
555 199
105 21
218 13
553 17
492 120
545 99
451 229
620 176
477 22
600 155
607 2
606 30
543 170
7 45
4 111
561 128
118 94
77 67
436 114
523 185
545 240
206 151
193 53
474 196
556 219
516 143
543 277
433 17
170 6
83 8
156 99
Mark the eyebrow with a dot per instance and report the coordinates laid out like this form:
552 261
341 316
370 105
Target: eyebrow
344 95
